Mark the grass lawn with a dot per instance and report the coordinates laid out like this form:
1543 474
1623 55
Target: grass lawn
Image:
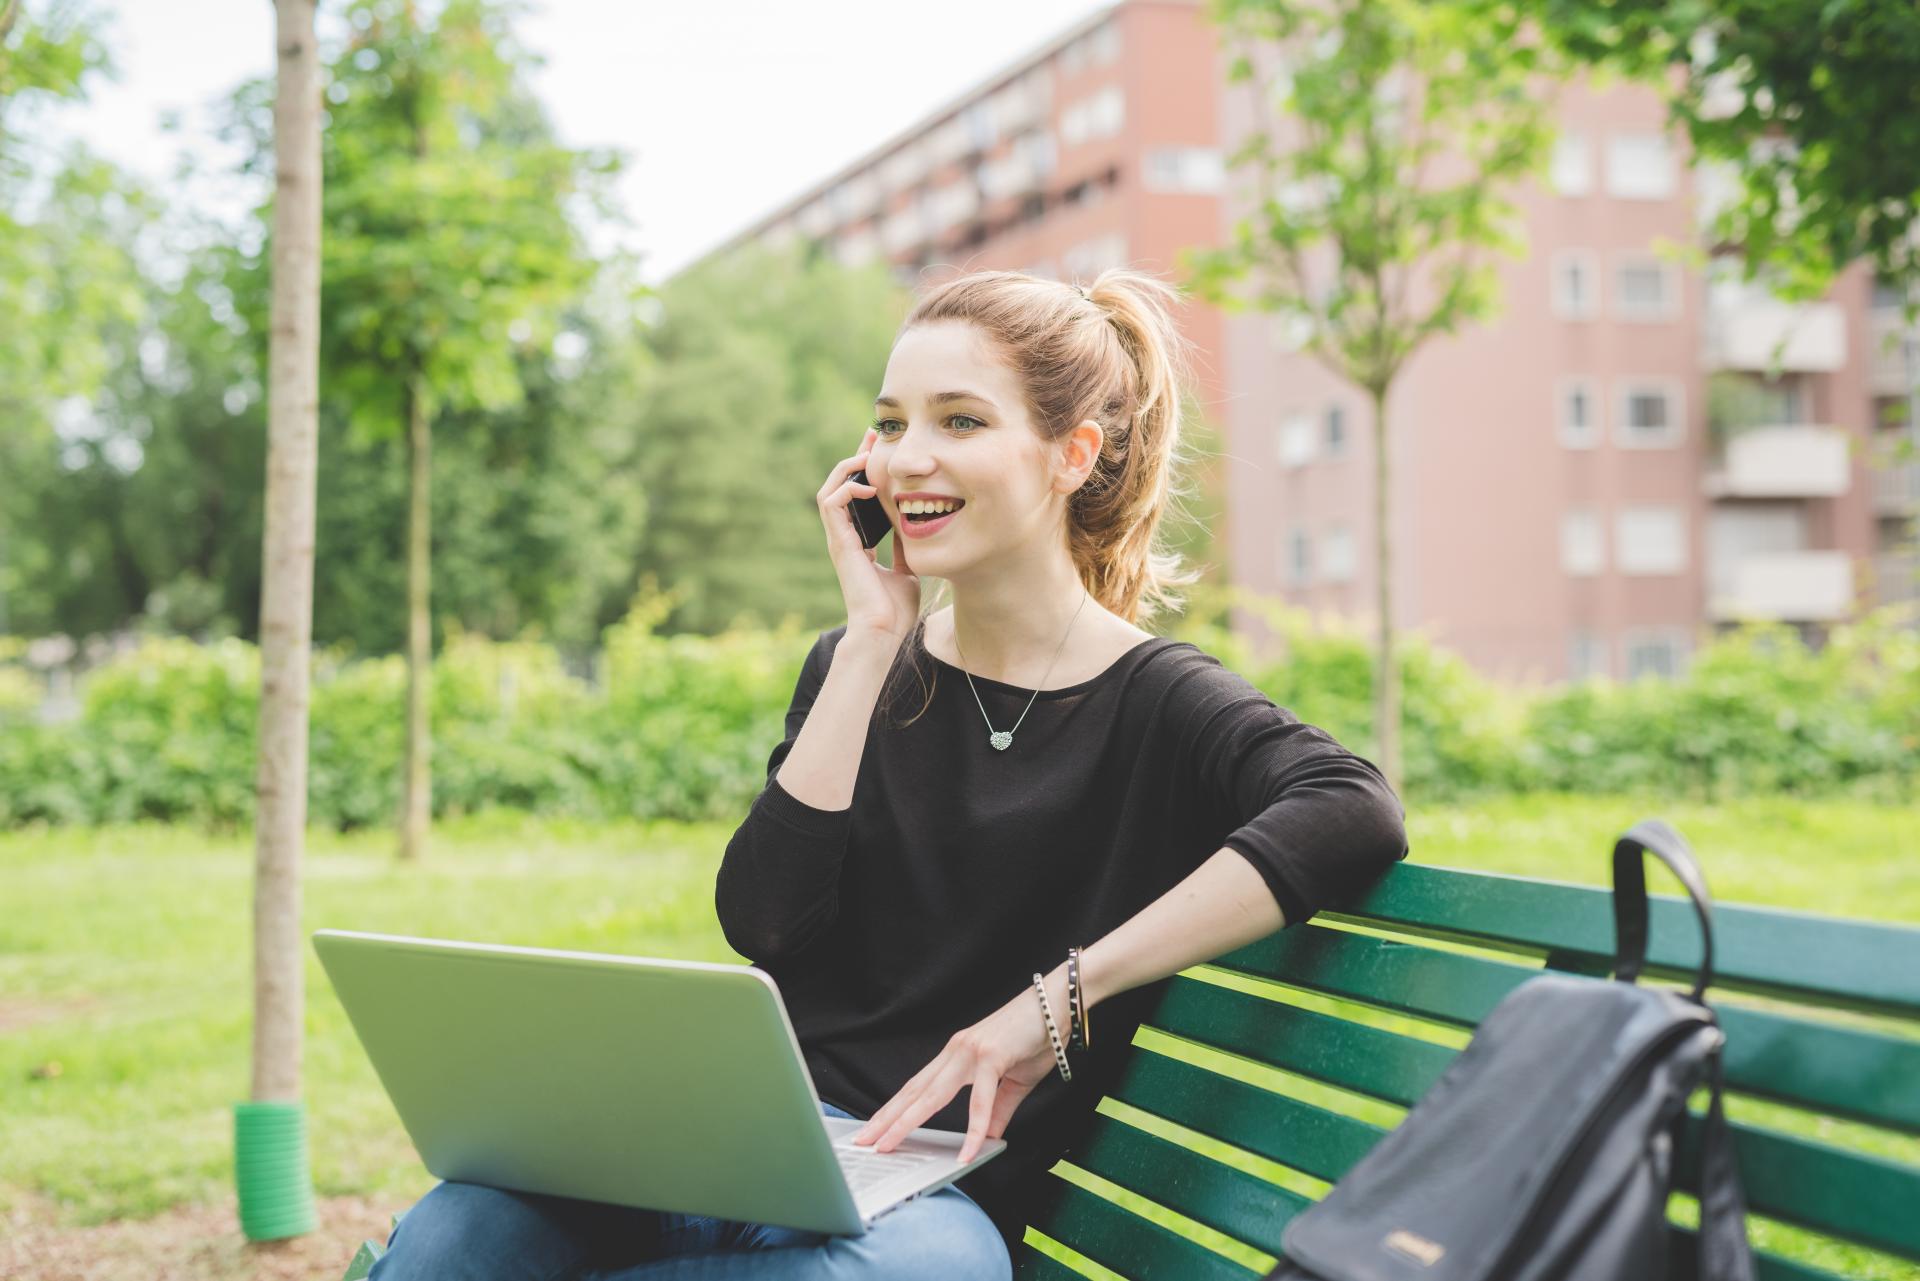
124 954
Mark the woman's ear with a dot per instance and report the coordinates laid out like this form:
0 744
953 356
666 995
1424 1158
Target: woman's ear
1078 451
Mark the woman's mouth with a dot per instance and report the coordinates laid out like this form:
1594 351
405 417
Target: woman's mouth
922 524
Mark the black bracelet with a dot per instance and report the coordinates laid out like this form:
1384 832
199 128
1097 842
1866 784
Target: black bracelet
1077 1037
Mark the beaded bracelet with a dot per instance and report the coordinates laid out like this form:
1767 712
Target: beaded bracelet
1077 1032
1053 1033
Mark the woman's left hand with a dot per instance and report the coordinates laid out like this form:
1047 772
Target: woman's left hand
1003 1057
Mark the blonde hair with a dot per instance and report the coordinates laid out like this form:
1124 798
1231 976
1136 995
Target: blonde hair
1112 354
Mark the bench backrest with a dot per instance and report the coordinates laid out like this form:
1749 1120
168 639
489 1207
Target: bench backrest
1289 1057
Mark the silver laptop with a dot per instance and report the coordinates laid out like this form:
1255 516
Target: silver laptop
640 1081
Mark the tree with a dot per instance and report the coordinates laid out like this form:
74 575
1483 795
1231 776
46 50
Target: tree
760 372
68 292
1355 239
286 605
1813 104
451 247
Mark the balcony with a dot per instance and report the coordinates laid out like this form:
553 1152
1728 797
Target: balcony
1886 359
1746 323
1788 587
1782 462
1896 488
1896 577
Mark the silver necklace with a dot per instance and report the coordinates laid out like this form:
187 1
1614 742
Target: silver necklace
1002 739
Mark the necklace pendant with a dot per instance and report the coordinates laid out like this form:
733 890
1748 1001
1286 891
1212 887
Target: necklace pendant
1001 739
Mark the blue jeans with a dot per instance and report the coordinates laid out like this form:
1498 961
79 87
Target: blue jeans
470 1232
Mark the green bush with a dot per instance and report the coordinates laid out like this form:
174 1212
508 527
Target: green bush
679 727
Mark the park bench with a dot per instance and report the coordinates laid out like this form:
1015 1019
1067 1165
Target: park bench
1364 1006
1436 947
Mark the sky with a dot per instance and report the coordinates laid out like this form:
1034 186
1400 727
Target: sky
724 111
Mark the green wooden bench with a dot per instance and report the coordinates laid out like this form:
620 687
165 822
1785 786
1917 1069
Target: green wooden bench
1821 1016
1315 1038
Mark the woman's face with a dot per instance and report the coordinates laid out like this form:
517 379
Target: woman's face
979 447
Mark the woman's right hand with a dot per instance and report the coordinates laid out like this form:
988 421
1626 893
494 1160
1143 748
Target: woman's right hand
880 602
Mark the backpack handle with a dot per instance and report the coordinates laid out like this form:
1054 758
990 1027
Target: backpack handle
1653 836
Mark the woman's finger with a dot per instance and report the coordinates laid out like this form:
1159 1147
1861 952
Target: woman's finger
930 1100
979 1112
891 1108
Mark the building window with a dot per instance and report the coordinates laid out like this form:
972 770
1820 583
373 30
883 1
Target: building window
856 248
1336 431
1579 413
1639 166
1654 651
1103 45
1646 288
977 119
1296 440
1576 293
1583 546
1336 555
1090 257
1650 415
1098 115
1587 655
1177 170
1073 56
1572 173
1299 557
1289 331
1651 540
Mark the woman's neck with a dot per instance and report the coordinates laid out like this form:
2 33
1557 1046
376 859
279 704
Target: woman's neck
1018 622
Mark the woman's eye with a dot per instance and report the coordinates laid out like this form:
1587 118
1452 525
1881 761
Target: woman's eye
889 426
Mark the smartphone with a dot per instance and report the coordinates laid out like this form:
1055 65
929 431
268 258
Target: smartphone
869 517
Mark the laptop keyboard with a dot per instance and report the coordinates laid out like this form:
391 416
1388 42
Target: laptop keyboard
864 1167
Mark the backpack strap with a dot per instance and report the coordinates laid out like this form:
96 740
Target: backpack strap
1724 1253
1653 836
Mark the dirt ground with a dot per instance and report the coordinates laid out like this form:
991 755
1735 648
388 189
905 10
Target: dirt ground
190 1243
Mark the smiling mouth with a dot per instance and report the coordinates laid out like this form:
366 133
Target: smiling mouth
921 518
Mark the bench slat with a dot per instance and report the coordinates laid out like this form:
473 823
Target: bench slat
1862 1198
1862 1075
1847 963
1031 1265
1328 1049
1683 1260
1119 1239
1245 1207
1310 1139
1399 1069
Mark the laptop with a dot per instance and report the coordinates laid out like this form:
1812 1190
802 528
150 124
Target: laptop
633 1080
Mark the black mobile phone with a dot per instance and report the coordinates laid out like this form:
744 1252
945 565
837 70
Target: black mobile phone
869 517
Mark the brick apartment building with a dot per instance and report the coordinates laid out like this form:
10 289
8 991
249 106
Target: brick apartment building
1590 484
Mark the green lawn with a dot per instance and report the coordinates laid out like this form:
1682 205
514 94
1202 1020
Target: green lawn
124 953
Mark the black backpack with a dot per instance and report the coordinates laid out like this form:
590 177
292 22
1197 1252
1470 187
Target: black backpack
1545 1151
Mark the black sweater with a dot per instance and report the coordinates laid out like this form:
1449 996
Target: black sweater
959 870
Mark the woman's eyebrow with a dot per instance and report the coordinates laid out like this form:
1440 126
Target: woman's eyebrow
939 397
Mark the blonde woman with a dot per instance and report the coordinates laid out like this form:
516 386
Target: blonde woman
968 789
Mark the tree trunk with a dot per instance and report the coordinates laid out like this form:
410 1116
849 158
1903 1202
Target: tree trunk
286 601
1386 672
417 795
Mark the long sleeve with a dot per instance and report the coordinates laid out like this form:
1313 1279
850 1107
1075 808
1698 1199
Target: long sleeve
1316 821
778 884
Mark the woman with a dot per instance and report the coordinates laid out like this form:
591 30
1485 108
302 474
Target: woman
1067 779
